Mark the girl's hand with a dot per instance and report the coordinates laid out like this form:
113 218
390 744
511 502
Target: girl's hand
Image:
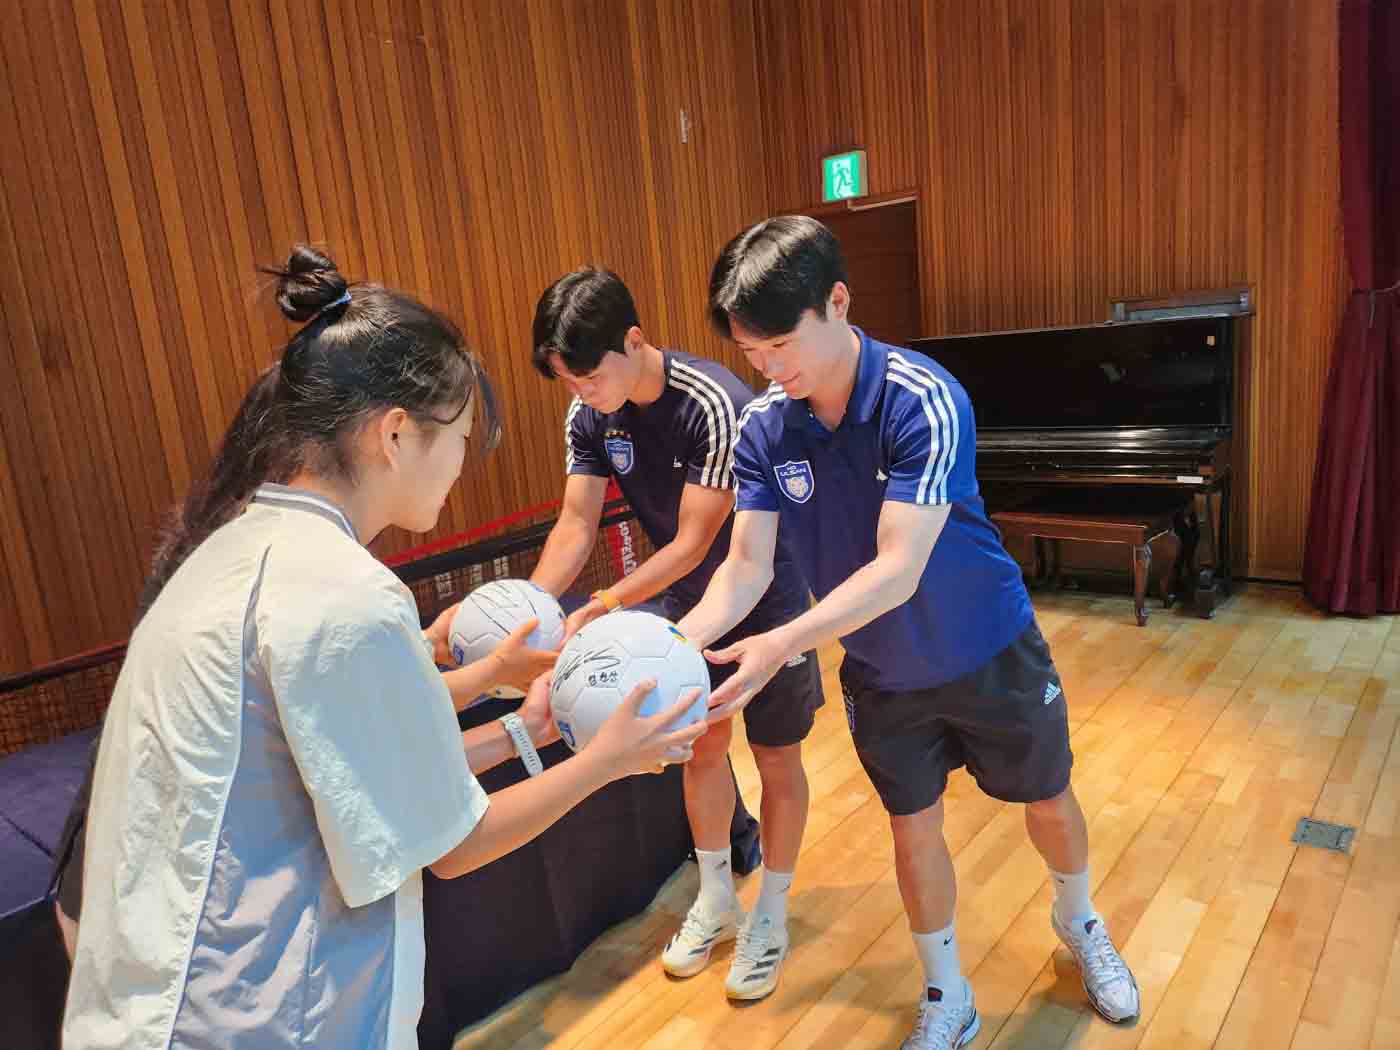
628 743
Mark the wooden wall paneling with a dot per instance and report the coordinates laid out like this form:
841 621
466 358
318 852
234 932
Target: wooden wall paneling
660 319
890 66
1060 142
341 135
275 186
219 341
14 611
38 572
225 236
326 121
710 187
348 39
407 46
512 238
398 44
684 194
28 633
525 242
448 206
1062 152
712 153
421 149
295 57
515 158
43 442
623 191
135 416
556 47
492 136
956 239
147 253
484 282
72 373
166 240
694 176
935 211
716 178
1081 149
662 92
420 129
394 54
434 156
244 201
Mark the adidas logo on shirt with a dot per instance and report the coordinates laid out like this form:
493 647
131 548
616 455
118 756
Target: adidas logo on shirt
1051 691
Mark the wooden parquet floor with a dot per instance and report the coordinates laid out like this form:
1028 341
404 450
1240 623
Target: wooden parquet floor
1198 746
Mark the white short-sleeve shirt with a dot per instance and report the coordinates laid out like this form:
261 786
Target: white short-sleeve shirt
280 761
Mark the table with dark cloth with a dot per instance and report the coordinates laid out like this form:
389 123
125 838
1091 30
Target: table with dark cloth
37 788
499 930
491 934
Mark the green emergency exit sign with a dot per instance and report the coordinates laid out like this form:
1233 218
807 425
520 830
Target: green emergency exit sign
843 176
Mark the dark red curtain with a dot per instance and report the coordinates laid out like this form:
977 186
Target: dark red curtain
1352 560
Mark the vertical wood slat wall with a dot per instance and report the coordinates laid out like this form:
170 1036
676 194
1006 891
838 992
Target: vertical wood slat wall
1070 151
1064 151
469 154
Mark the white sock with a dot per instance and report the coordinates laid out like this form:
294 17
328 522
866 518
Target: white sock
938 951
772 895
1072 902
716 881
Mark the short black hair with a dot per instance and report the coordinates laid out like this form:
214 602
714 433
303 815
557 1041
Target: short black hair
581 317
774 272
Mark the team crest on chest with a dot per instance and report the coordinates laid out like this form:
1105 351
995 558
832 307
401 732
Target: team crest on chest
795 479
622 455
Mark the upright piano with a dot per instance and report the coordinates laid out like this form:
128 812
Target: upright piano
1120 405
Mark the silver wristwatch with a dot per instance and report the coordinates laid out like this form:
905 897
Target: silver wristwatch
524 746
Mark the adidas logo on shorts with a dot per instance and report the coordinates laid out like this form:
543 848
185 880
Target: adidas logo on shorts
1051 691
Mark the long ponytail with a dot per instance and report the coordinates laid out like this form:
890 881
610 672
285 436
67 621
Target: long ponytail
254 450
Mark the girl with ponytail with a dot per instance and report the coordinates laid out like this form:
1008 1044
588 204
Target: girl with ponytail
281 757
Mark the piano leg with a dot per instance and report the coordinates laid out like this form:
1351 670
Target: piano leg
1039 560
1188 534
1170 581
1224 566
1209 587
1142 570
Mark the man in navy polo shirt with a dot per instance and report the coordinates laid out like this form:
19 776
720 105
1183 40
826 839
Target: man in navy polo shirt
663 423
865 455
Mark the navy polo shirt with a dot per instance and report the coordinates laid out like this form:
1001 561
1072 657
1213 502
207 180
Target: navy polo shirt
685 436
908 435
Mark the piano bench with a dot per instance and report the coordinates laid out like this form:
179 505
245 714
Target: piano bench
1135 527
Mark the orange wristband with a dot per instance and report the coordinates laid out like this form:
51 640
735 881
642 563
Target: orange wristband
608 599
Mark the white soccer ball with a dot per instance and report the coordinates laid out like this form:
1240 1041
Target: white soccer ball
601 663
492 611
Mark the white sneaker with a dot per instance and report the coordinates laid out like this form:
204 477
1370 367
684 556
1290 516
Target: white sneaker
689 950
758 957
1107 980
944 1026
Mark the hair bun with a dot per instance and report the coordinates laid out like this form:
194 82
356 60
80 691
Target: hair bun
307 284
